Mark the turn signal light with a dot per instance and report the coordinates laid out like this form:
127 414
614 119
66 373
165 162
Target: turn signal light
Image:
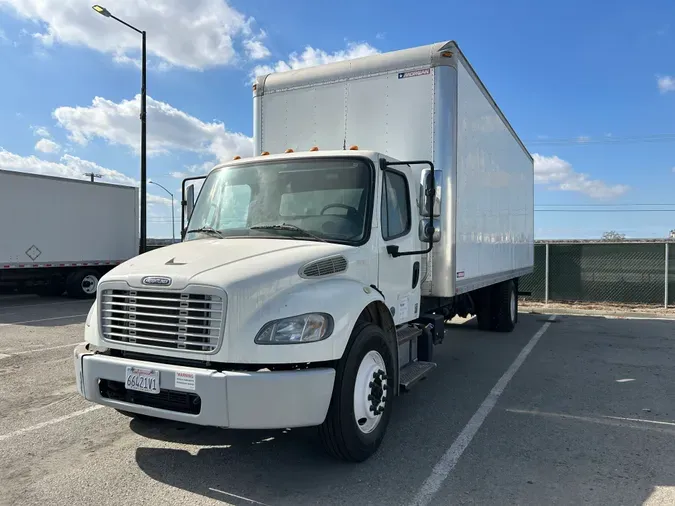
314 148
289 150
354 148
264 153
237 157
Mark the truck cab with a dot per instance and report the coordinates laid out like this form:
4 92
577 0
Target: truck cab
283 299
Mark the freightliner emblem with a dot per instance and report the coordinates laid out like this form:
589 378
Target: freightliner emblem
156 281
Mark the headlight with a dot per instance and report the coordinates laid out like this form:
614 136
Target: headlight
306 328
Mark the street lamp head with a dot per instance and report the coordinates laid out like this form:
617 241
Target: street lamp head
101 10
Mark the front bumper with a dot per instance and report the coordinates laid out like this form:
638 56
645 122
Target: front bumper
233 399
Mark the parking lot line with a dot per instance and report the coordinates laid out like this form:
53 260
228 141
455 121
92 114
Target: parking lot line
8 353
449 460
42 320
21 306
49 422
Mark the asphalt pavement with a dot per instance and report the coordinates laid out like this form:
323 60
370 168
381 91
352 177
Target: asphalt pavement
578 410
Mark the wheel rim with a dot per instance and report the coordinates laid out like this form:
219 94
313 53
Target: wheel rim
370 392
512 306
89 284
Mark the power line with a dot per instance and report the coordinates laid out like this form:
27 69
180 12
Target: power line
632 139
604 210
602 205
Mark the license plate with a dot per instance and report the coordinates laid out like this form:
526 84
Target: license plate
142 380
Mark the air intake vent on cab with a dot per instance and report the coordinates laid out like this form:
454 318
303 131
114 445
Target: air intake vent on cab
324 267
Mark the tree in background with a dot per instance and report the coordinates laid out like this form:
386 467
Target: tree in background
613 235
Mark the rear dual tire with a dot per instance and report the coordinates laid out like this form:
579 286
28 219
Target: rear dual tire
498 310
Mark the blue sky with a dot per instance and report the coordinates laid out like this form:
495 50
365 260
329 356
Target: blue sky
585 85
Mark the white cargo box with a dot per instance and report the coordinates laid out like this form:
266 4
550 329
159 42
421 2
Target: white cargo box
425 103
56 222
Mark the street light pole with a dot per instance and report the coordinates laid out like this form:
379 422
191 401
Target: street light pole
105 12
173 223
144 172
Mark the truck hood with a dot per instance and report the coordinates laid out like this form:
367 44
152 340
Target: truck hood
235 258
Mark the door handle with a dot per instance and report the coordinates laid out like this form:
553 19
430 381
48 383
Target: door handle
416 274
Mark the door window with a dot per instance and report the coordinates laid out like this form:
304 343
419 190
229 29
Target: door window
395 209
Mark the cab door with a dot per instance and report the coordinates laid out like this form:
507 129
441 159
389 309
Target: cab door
398 276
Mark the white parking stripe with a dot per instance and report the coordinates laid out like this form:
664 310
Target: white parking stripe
42 320
450 458
49 422
9 353
21 306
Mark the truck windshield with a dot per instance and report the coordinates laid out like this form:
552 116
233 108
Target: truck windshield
310 199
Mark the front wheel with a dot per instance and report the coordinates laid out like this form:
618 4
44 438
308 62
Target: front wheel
361 404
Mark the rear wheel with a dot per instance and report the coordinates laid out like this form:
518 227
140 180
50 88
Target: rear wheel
82 284
361 405
499 309
51 289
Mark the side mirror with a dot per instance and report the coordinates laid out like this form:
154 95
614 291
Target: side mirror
426 233
425 201
190 201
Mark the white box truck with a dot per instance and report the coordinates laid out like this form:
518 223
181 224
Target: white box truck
388 194
61 235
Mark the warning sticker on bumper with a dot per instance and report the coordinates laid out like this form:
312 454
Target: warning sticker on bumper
185 380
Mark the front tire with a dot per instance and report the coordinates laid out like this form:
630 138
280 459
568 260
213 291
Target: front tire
361 404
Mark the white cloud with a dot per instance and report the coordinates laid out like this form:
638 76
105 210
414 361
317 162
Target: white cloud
583 139
255 48
47 146
559 175
665 83
40 131
311 57
197 34
168 128
68 166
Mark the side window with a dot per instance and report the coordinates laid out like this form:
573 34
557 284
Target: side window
395 209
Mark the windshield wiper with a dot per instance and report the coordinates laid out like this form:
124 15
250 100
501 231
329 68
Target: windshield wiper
207 230
288 226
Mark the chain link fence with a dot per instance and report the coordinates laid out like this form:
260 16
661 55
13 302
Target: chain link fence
622 272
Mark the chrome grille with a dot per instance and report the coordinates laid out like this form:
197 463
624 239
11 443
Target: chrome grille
174 320
325 267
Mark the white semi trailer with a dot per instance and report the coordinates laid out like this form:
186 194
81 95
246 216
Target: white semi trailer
388 194
61 235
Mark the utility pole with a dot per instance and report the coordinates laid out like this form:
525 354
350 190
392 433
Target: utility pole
92 175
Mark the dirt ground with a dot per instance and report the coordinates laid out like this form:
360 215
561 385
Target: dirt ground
598 309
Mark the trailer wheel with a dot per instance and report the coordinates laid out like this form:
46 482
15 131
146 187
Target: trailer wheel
53 288
361 404
82 284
